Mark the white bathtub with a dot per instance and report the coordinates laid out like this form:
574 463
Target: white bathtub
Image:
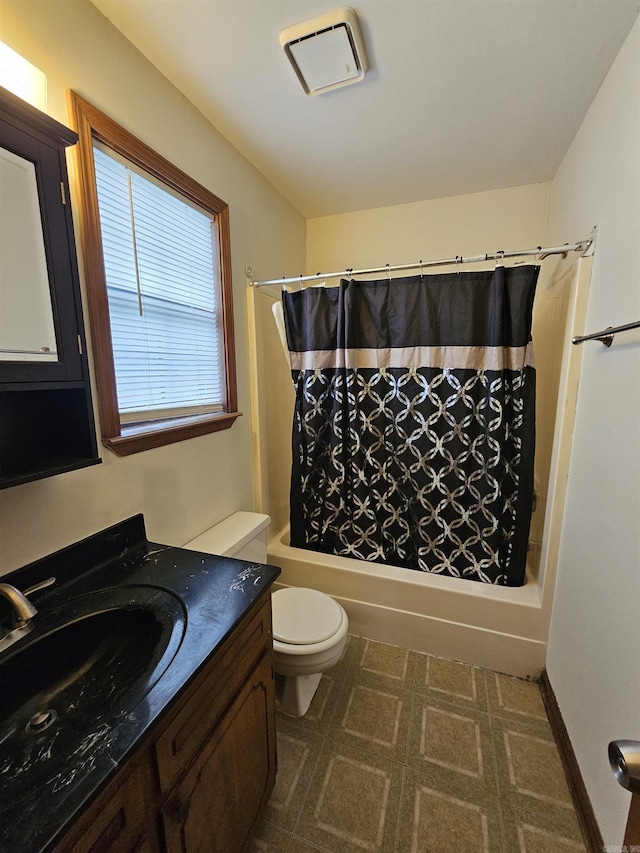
501 628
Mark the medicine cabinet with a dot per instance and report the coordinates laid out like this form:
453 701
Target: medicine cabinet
46 416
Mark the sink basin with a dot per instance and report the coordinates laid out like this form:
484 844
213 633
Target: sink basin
87 664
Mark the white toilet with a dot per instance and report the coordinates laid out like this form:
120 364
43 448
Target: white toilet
309 635
309 627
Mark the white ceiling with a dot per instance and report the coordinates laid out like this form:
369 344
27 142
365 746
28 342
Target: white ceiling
461 95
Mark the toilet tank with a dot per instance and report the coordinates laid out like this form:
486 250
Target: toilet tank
242 535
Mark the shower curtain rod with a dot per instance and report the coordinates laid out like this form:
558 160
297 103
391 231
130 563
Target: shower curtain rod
582 246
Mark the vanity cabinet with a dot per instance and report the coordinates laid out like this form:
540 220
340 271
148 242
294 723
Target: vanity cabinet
203 775
46 415
215 805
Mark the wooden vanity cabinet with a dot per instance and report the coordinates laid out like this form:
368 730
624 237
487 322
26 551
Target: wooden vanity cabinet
203 775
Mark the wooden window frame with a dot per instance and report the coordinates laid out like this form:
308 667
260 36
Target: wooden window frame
123 439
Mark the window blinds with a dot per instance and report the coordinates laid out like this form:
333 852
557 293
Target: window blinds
161 263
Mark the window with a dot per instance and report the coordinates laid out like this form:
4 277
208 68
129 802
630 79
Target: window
157 264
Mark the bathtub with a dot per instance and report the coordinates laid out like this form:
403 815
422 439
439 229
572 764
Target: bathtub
501 628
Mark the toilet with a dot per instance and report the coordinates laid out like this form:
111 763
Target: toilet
309 627
309 636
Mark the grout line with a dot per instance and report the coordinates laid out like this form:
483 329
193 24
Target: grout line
400 801
312 846
503 833
306 794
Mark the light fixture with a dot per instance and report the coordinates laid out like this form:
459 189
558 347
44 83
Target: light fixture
22 78
326 52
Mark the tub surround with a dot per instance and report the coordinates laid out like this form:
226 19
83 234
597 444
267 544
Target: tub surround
217 595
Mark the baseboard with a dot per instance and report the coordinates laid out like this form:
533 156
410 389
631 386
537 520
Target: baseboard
582 803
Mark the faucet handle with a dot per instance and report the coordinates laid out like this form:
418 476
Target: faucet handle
38 586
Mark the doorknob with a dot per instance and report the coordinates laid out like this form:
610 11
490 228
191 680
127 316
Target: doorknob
624 758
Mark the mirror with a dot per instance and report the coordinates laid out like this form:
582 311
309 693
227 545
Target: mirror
26 315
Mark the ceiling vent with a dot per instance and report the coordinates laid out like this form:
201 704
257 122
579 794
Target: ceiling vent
326 52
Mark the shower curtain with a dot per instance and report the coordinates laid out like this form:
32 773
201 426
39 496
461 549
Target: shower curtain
413 434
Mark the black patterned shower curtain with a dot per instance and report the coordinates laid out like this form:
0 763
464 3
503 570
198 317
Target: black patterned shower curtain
413 433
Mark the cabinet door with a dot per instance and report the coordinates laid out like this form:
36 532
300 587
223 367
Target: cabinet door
58 246
216 804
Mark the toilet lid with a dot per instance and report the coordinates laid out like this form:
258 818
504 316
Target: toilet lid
304 616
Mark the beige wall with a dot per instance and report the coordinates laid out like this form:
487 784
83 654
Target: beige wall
514 218
511 218
594 642
183 488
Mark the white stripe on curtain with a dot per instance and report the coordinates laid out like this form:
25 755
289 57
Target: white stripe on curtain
452 358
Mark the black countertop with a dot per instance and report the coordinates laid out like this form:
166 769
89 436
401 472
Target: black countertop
40 795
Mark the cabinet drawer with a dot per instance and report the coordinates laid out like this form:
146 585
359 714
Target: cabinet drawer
115 822
186 734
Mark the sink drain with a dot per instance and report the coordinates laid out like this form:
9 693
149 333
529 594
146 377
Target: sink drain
41 720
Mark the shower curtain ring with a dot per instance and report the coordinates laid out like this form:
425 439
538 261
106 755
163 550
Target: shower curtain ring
301 287
420 267
388 271
499 259
458 262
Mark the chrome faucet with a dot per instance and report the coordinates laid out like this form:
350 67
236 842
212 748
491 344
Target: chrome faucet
23 609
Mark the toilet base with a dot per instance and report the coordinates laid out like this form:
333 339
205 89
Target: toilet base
295 692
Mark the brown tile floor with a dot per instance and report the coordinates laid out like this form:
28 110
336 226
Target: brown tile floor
402 752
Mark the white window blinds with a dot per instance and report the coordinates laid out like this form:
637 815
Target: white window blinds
161 262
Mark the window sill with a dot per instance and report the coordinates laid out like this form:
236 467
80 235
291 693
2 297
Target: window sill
136 438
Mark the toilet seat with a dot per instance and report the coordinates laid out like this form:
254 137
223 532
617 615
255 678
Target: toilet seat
306 613
304 616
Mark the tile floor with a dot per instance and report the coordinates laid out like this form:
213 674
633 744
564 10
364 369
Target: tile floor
402 751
